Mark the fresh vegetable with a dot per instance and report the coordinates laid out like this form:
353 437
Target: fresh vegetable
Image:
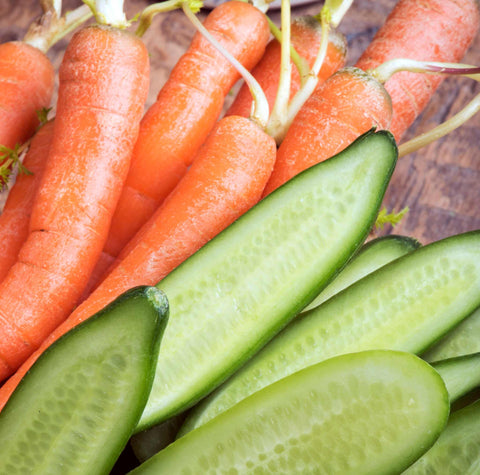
457 450
234 294
461 340
436 30
76 408
95 128
16 213
373 255
346 105
371 412
405 305
461 374
305 38
177 124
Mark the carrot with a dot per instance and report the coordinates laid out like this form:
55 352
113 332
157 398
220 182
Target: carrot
226 179
305 38
433 30
348 104
15 216
177 124
27 78
102 91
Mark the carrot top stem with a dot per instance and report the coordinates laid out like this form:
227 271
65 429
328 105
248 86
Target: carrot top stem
52 26
386 70
146 16
108 12
11 159
260 110
441 130
280 107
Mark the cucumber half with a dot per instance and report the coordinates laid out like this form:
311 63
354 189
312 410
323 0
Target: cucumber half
372 412
241 288
405 305
75 409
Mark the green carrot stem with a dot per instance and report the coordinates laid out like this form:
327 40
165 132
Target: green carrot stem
108 12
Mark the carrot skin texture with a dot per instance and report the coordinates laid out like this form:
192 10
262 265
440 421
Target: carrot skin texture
225 180
21 93
95 128
187 107
305 38
432 30
15 217
348 104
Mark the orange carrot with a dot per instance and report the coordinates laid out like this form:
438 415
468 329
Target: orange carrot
305 38
348 104
26 86
103 88
186 109
430 30
15 216
226 179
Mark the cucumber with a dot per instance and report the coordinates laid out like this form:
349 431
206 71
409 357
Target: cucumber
372 412
371 256
75 409
457 450
405 305
242 287
461 374
464 339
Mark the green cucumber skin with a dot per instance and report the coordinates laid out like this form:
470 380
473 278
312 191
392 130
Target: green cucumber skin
242 287
461 340
75 409
372 412
461 374
370 257
457 450
405 305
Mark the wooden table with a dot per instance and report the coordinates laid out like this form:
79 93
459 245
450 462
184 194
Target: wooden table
439 184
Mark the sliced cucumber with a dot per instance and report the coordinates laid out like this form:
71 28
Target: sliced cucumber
406 305
461 374
464 339
242 287
373 412
457 450
76 408
371 256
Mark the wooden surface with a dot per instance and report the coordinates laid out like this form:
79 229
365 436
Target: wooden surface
440 184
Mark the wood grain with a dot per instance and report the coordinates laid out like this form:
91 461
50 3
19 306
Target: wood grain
439 184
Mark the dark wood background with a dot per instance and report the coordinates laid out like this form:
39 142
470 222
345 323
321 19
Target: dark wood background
439 184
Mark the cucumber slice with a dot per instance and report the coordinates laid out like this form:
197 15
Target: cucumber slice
457 450
242 287
371 256
405 305
464 339
370 412
76 408
461 374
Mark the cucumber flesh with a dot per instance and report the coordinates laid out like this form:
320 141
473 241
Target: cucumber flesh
75 409
405 305
461 374
369 412
371 256
464 339
457 450
241 288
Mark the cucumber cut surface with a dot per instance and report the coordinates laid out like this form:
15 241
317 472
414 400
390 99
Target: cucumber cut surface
75 409
372 412
242 287
457 450
405 305
371 256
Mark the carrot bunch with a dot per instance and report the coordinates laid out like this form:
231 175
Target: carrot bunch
127 196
